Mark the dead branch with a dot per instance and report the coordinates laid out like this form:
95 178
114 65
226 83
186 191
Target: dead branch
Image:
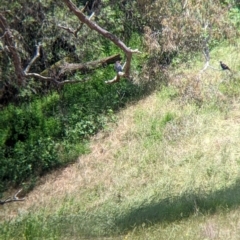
39 76
34 59
86 67
207 60
65 68
70 30
92 25
54 80
206 51
15 198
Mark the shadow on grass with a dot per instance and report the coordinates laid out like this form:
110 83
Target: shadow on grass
116 219
180 207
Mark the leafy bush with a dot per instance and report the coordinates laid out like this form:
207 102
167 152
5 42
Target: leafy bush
28 140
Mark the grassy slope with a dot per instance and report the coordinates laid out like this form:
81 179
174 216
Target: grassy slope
169 169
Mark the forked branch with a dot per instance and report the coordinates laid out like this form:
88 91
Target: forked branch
206 51
75 32
15 198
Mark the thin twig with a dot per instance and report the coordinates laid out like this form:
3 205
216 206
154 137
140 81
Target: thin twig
15 198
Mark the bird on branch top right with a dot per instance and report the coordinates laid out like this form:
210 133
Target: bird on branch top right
224 66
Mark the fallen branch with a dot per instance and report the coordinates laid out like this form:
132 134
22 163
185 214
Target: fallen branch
54 80
63 68
86 67
15 198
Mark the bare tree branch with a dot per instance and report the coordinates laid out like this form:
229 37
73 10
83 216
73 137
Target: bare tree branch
92 25
206 51
54 80
34 59
70 30
39 76
85 67
15 198
65 68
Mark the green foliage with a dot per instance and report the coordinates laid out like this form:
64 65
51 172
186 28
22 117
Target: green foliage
230 89
41 135
234 15
28 135
157 126
89 105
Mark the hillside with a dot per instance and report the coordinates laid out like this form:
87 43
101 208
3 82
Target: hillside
168 168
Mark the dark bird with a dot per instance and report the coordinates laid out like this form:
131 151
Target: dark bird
224 66
118 67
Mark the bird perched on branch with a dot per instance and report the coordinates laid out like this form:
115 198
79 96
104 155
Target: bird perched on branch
118 67
224 66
